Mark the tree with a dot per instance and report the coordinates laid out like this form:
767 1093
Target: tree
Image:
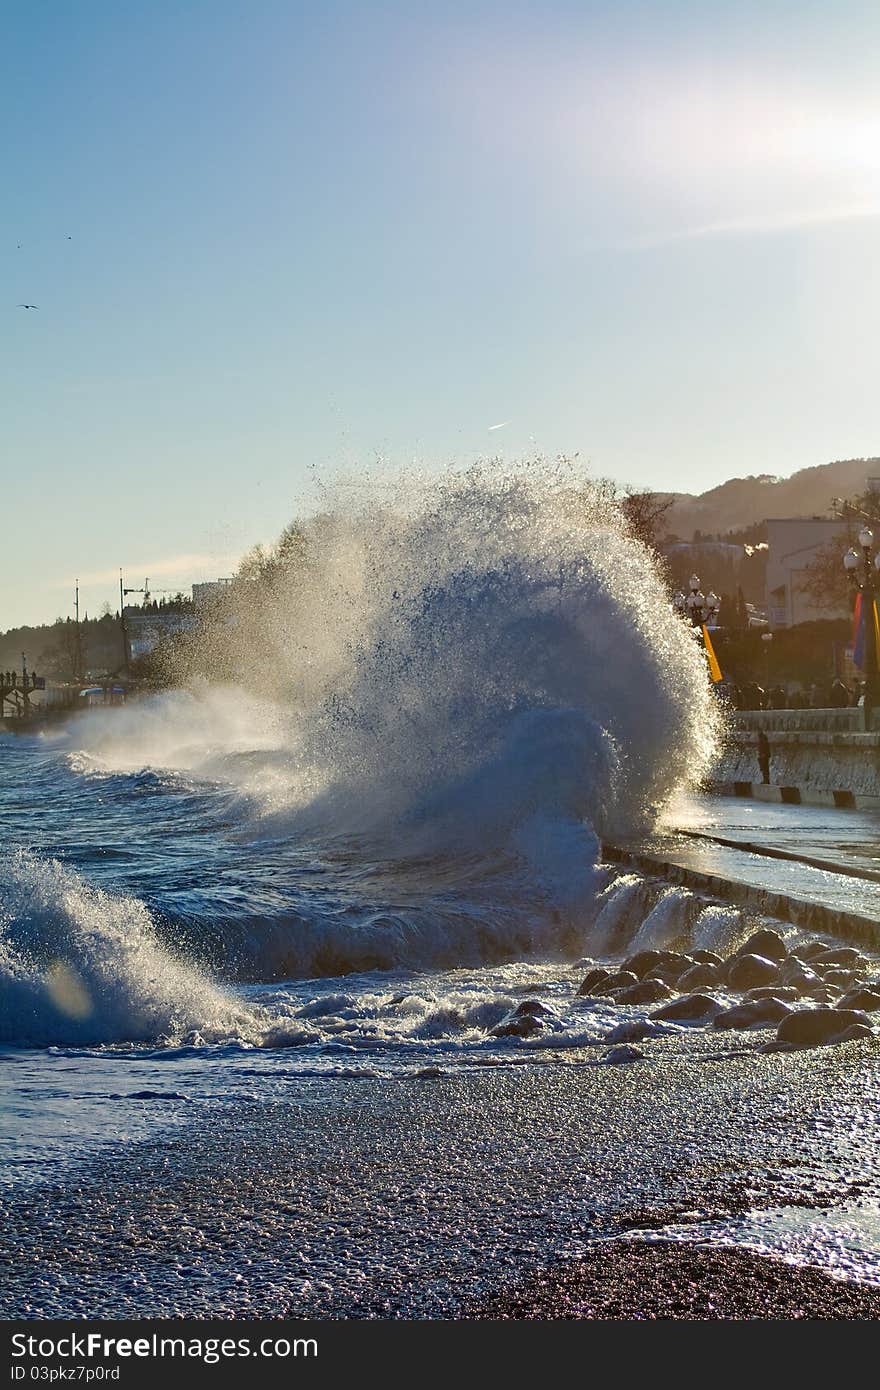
643 512
824 579
269 564
740 611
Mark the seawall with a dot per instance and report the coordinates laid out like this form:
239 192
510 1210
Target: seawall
825 755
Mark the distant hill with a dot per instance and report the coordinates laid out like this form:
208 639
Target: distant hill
742 502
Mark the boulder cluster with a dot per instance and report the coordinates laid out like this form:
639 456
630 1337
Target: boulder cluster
814 993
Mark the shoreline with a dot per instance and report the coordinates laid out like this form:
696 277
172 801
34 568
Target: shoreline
472 1195
631 1279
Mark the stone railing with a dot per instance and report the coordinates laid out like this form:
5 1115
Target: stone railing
848 720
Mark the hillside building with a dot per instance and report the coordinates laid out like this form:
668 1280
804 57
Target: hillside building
794 543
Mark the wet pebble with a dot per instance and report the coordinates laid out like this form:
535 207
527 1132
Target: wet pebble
839 955
785 992
621 979
705 957
754 1013
866 1000
642 962
700 975
593 977
635 1030
766 943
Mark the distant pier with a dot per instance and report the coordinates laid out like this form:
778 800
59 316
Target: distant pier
16 692
27 699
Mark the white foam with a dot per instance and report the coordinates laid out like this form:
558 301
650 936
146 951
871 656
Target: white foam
718 928
669 920
78 965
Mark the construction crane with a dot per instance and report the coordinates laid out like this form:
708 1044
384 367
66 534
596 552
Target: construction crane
126 649
148 592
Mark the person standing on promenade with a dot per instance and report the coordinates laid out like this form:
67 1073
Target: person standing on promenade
764 757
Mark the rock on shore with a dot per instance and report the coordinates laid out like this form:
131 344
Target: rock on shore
809 1027
815 993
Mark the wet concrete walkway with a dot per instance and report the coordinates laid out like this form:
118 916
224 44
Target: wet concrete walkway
838 891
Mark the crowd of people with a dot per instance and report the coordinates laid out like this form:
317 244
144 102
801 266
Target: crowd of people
836 695
11 680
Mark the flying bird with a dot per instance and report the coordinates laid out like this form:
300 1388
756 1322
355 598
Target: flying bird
28 306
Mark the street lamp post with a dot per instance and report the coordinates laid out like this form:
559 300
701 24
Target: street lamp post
767 639
862 571
700 608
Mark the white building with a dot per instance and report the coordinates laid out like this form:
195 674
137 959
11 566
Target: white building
794 543
146 629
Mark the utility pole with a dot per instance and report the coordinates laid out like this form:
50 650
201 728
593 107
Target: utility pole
78 650
122 592
862 571
126 658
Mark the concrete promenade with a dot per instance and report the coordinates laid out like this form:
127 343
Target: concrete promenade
818 868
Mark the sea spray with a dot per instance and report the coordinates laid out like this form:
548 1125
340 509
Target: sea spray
480 652
81 966
451 697
669 922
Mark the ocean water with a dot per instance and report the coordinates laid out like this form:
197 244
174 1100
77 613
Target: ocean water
466 694
231 898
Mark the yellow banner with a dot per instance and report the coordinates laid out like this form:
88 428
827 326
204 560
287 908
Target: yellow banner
714 668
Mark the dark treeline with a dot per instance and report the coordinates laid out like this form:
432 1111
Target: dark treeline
57 651
811 653
175 603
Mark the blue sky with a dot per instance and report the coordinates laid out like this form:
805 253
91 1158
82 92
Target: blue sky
272 242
